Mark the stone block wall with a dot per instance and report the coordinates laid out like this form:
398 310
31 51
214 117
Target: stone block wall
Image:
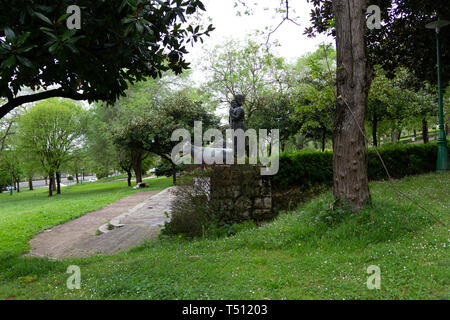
240 193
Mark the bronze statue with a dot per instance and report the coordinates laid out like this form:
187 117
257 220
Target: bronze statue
237 113
237 117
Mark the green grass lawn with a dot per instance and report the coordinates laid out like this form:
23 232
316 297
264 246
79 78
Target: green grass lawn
29 212
312 253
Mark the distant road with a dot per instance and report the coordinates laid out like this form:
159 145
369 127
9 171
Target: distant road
41 183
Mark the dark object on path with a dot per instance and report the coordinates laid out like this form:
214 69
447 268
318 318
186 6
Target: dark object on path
141 185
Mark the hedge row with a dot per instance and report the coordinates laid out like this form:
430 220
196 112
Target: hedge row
309 168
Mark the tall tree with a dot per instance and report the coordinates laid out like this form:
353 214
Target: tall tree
12 165
152 132
346 20
105 120
315 93
350 181
51 130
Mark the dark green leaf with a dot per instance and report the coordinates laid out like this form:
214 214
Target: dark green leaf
25 61
50 34
53 48
43 18
23 38
8 63
10 35
26 48
62 18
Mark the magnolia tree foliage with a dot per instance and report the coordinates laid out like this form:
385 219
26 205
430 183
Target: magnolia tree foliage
153 130
105 120
120 42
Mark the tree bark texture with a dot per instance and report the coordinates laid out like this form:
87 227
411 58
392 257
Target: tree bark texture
51 183
136 159
350 183
58 183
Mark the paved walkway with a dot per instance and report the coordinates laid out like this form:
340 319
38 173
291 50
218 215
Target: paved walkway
140 217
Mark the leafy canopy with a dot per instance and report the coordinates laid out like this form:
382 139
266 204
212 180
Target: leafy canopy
120 42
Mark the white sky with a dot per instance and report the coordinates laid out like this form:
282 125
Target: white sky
293 43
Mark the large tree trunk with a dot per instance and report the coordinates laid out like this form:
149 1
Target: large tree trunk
30 183
350 182
395 136
136 160
174 174
18 185
129 177
425 130
76 176
58 183
51 183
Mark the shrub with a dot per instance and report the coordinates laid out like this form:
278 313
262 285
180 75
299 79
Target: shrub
304 168
311 168
402 160
165 168
102 173
191 212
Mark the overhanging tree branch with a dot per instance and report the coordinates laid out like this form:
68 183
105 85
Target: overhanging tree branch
2 146
15 102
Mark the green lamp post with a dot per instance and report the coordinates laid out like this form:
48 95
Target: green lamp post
442 156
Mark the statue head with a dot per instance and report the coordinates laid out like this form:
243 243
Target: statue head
234 104
239 98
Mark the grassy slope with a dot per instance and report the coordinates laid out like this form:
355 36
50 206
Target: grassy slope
298 256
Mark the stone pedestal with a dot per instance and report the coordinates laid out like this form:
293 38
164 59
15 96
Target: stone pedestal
241 193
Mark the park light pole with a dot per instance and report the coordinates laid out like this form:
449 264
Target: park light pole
442 156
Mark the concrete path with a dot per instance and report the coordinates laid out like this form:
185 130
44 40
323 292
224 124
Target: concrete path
138 217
